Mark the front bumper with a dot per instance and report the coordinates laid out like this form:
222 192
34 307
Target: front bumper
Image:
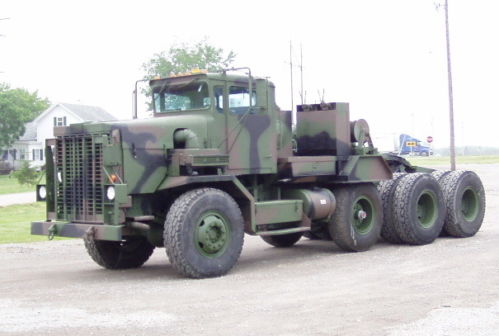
77 230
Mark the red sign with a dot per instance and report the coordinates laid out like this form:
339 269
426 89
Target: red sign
429 139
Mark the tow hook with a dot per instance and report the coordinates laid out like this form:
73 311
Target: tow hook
90 233
52 231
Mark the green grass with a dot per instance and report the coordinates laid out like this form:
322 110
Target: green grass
445 160
15 222
9 185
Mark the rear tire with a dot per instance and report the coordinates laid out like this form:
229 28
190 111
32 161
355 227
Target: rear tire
132 252
418 209
285 240
465 202
386 191
357 221
439 176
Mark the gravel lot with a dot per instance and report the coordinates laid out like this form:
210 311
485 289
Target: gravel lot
450 287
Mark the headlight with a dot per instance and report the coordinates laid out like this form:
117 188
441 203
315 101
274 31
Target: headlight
110 193
59 176
42 193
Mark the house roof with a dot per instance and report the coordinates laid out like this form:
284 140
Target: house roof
29 132
84 112
89 113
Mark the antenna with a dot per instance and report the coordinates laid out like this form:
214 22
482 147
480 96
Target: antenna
321 97
291 70
301 74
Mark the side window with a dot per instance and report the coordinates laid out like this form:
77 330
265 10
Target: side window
219 98
239 99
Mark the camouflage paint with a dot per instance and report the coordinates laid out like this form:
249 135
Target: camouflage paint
250 155
323 129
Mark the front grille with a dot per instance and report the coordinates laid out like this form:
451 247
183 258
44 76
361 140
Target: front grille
80 195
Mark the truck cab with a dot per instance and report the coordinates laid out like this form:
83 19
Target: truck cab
241 125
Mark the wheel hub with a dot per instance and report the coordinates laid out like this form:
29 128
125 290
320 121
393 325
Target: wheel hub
361 215
426 209
212 234
469 204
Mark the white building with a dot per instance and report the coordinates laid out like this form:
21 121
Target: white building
31 144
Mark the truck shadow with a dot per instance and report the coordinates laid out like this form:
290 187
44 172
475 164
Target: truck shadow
258 257
269 256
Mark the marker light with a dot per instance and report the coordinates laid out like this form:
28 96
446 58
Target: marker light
42 192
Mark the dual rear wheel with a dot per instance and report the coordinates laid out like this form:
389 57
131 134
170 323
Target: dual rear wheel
419 207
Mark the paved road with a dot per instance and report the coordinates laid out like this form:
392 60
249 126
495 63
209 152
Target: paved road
19 198
450 287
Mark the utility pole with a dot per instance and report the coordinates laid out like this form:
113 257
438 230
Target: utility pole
451 98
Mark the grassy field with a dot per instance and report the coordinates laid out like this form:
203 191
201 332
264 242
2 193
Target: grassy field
15 222
9 185
445 160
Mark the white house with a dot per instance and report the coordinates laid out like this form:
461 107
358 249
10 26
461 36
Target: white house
31 144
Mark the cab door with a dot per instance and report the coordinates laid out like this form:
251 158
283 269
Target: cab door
250 130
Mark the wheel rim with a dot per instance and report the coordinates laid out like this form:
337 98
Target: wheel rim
469 204
363 215
212 234
427 209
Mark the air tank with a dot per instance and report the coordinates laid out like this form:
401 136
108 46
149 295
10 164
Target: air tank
318 203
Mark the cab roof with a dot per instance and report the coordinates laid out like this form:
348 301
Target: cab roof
198 74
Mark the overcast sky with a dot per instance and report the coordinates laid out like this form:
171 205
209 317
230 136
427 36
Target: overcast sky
386 57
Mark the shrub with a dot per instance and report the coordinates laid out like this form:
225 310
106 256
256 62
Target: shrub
26 174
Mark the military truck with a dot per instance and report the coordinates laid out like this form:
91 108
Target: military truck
219 159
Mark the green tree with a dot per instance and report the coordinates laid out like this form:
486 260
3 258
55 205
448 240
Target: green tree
17 107
26 175
185 57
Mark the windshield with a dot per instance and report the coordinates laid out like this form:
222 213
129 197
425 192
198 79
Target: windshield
180 97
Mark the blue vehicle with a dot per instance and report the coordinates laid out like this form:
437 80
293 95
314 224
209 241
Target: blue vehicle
412 146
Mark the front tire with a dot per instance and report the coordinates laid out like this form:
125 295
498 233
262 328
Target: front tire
204 233
132 252
357 221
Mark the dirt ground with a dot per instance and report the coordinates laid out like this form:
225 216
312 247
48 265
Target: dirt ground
450 287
